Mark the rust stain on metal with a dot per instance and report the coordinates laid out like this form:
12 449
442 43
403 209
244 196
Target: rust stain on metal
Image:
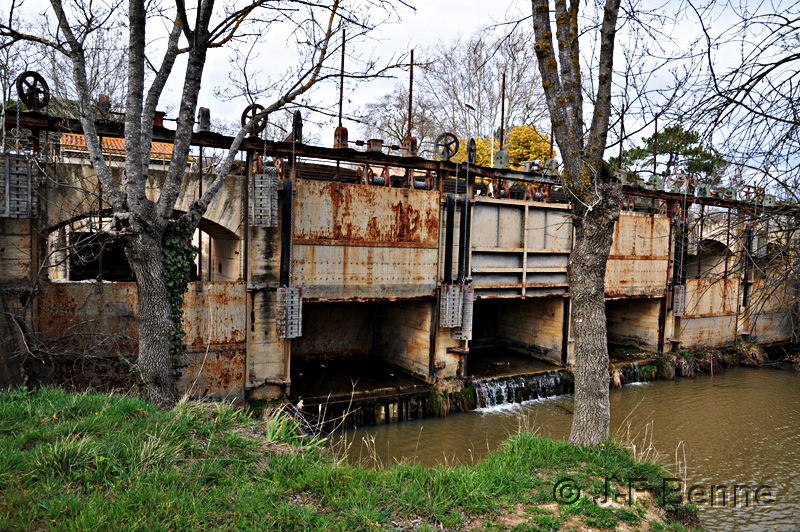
638 257
332 213
214 373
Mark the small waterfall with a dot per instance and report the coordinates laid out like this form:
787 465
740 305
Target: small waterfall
509 390
632 374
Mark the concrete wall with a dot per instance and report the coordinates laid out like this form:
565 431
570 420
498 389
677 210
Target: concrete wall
73 193
91 330
16 252
369 261
332 330
534 325
633 322
403 335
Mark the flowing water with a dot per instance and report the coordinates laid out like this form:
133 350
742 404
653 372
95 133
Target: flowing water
740 427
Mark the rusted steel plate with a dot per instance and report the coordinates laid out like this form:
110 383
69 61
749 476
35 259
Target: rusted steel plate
768 296
638 235
711 297
99 320
332 213
215 315
639 257
712 331
548 229
82 308
518 244
770 327
636 278
211 373
343 272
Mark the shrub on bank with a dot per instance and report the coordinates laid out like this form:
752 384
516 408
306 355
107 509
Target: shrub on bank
104 461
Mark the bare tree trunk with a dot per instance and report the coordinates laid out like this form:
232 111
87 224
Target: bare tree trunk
587 271
156 367
596 197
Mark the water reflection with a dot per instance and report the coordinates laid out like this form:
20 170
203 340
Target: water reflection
739 427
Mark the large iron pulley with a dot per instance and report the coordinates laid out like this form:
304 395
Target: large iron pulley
250 112
447 145
33 90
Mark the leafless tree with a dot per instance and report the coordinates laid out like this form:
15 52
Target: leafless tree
596 196
568 36
106 59
751 100
144 224
458 89
754 103
468 73
12 62
387 118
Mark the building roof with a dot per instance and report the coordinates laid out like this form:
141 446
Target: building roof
113 146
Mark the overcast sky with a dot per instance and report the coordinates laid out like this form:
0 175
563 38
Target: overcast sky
431 21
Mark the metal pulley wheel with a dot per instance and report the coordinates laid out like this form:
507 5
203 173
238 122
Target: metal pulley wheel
33 90
250 112
447 145
472 151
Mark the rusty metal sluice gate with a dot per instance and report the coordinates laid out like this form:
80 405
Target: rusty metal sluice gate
333 275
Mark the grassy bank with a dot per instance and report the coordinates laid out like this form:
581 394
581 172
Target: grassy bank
98 461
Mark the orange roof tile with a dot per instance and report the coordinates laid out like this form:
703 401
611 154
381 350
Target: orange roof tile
114 146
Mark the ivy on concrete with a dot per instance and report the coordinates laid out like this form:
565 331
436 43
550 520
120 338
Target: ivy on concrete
179 255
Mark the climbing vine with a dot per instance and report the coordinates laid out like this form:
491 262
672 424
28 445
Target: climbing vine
179 256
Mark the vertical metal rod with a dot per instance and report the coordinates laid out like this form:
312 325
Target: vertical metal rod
8 184
246 217
655 143
462 242
700 241
341 79
200 232
410 93
727 241
565 330
286 233
748 243
100 228
503 110
621 134
450 219
552 147
467 236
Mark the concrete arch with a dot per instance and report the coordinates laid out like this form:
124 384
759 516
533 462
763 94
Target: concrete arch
712 260
209 227
73 192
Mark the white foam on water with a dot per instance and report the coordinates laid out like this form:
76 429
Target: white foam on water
514 407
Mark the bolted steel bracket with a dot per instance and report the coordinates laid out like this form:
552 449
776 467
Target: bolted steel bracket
464 332
18 183
679 300
264 199
450 305
290 312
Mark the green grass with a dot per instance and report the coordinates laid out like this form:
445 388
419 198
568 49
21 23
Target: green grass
93 461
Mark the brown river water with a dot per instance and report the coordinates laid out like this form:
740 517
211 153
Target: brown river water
740 427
